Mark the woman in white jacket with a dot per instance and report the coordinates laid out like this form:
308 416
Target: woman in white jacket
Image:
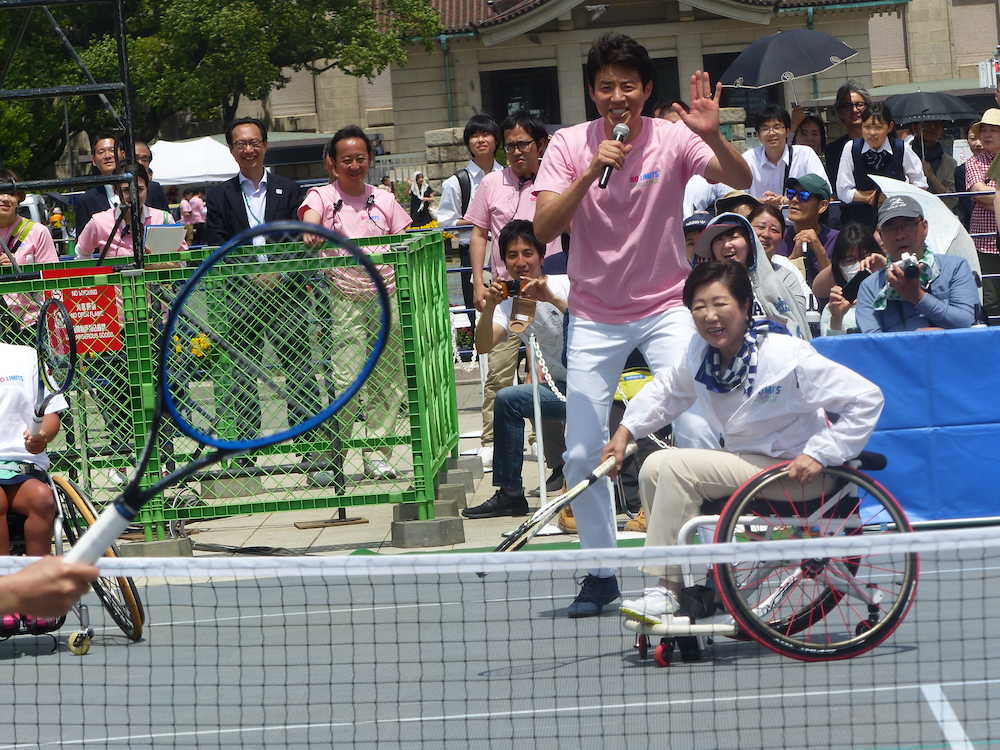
767 395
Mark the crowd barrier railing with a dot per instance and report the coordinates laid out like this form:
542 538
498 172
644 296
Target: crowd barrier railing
118 315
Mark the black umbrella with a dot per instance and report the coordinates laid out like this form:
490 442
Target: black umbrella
927 106
785 56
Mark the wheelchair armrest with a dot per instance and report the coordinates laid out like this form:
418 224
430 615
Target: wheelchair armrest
869 461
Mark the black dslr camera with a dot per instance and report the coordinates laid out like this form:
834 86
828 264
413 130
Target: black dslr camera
909 265
513 287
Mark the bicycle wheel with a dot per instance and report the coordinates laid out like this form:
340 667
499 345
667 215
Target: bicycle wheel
820 608
118 595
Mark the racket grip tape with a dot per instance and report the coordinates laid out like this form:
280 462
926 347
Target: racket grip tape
35 428
93 544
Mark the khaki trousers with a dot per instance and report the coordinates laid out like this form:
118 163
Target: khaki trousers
502 364
673 483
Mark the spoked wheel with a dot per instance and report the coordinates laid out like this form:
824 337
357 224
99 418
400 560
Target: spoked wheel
823 607
118 595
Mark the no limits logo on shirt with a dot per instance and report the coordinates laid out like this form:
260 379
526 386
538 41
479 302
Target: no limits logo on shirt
646 178
11 379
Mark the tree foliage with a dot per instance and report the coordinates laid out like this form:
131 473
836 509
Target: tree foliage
199 58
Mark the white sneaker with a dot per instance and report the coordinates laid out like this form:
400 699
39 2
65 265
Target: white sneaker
379 468
486 455
653 607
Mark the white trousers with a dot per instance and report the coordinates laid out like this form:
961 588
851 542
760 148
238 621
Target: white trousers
596 354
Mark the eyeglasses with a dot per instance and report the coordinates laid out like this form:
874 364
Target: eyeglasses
513 146
253 143
772 128
802 195
853 105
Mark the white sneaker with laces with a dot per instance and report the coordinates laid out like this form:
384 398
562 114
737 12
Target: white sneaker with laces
653 607
486 455
379 468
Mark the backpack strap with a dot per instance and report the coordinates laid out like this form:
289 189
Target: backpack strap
788 166
465 185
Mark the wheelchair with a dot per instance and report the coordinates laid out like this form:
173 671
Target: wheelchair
118 596
810 609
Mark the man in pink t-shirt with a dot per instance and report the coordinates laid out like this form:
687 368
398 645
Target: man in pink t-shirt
627 263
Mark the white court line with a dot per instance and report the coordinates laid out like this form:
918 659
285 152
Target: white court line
488 715
951 727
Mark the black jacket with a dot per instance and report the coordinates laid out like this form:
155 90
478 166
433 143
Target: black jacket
227 213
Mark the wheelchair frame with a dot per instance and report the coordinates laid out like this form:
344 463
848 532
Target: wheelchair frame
736 618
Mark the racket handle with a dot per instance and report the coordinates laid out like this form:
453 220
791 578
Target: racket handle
35 428
93 544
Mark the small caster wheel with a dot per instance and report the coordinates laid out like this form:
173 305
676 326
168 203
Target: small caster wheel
663 652
78 643
863 627
642 645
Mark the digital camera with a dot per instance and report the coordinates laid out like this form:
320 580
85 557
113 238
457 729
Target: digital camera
513 287
909 265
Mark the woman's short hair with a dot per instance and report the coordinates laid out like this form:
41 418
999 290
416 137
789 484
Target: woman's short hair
851 235
734 275
818 122
766 208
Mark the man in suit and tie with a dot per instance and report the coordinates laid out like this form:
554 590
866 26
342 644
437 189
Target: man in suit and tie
254 195
107 155
259 303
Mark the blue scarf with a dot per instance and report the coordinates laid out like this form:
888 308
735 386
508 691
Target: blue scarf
742 371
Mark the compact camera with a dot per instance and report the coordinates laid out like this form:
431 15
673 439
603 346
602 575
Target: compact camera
909 265
513 287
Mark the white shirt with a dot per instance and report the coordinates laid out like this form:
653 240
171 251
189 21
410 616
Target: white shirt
18 388
255 202
770 178
547 325
912 168
449 211
701 195
113 200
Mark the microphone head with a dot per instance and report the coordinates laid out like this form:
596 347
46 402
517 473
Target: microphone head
620 131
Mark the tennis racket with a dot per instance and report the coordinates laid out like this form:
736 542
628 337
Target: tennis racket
206 304
527 530
55 344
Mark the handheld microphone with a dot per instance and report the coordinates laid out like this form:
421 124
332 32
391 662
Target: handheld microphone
620 133
370 202
337 206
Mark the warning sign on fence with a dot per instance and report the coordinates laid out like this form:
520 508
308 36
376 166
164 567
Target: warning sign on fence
96 318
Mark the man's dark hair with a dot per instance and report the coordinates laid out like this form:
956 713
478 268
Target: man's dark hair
104 135
618 49
771 112
844 95
480 123
734 275
348 131
245 121
532 125
519 229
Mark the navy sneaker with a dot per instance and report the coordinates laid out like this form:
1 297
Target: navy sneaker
595 594
500 504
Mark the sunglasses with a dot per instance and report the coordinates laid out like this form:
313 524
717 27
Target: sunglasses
802 195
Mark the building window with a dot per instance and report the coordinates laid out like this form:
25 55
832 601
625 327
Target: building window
751 100
535 90
974 24
664 86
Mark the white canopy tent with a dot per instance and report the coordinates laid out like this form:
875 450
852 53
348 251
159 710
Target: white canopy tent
192 161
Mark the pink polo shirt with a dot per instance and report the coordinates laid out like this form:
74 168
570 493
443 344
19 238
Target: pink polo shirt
95 234
197 210
373 214
626 258
186 217
502 197
37 247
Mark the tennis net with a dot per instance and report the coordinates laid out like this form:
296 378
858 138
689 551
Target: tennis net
475 650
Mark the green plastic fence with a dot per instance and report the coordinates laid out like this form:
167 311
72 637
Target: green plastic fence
406 412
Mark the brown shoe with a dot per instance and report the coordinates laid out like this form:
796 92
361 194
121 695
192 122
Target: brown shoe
565 520
638 523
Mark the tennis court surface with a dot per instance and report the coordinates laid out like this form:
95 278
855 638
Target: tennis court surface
419 651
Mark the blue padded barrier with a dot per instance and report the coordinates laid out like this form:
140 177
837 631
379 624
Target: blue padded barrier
940 428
